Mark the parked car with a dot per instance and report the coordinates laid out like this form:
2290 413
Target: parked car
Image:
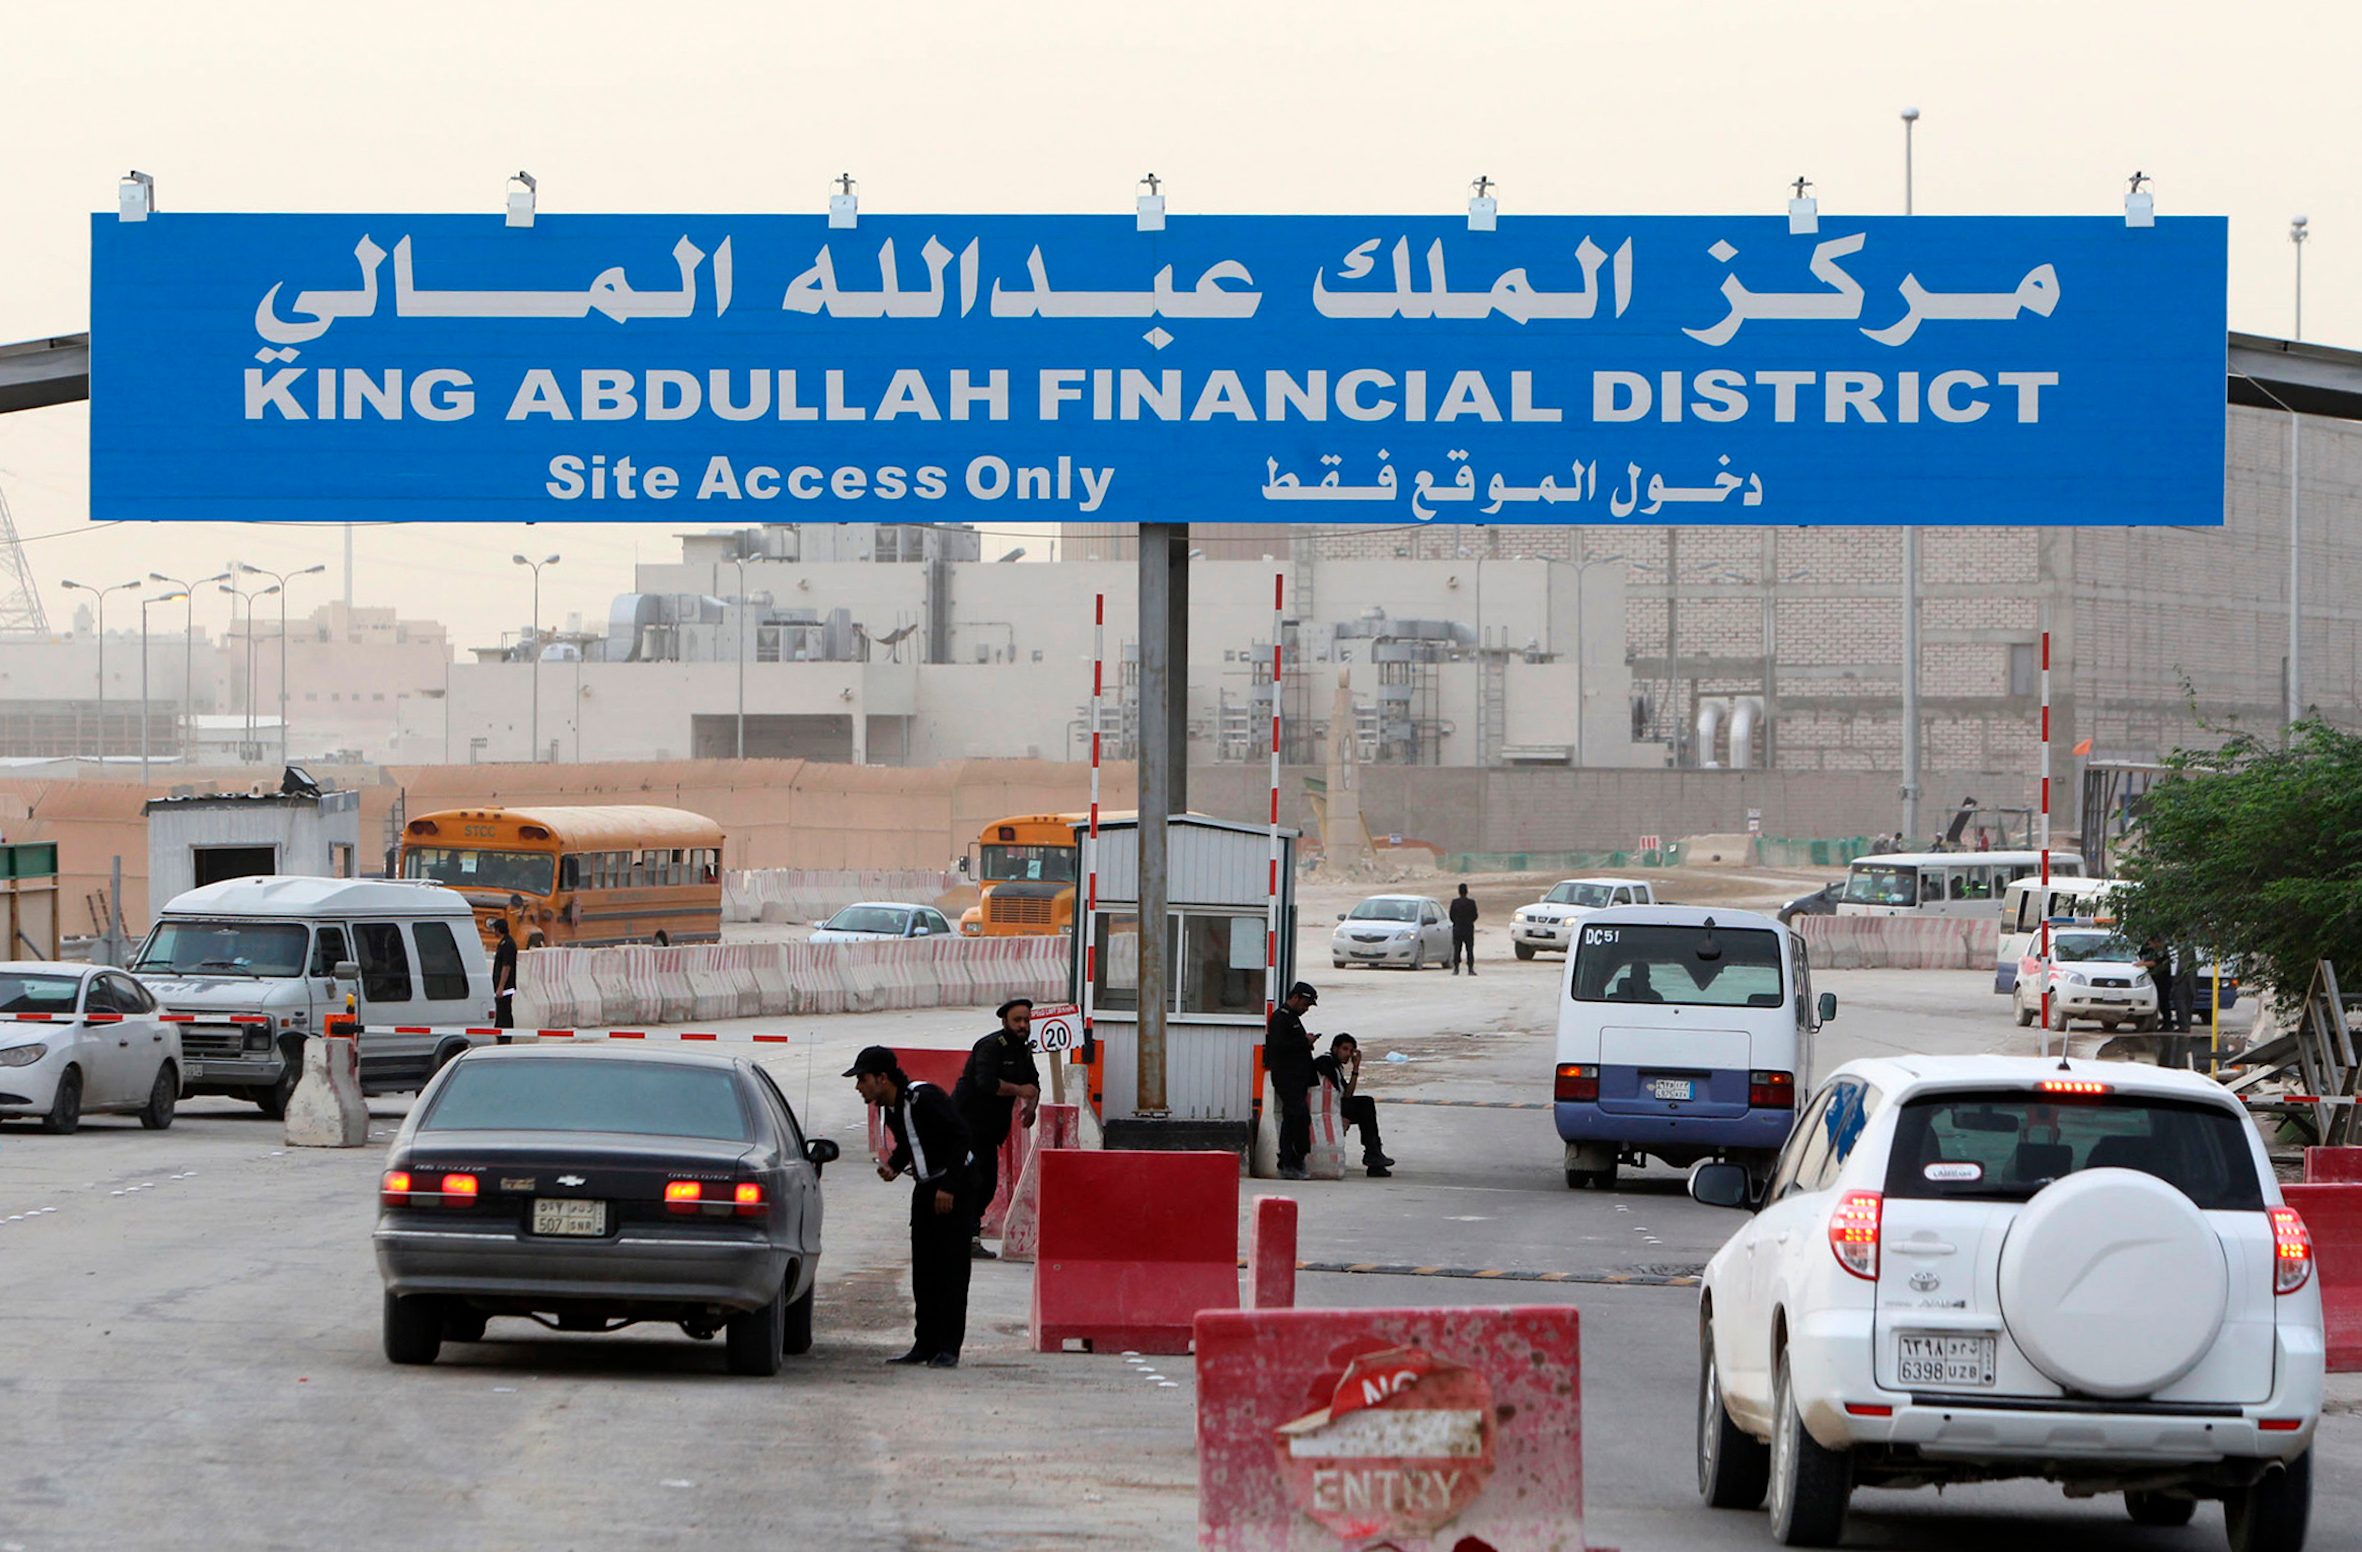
270 949
1821 902
83 1038
872 920
1981 1267
1548 925
1405 930
597 1189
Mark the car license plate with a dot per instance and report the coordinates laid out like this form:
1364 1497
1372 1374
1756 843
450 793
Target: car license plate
557 1215
1669 1088
1953 1362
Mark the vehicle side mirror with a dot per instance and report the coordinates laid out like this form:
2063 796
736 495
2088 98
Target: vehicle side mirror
822 1152
1723 1185
1828 1008
348 970
1340 916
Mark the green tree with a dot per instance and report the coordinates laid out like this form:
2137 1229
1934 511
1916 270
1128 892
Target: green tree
2255 850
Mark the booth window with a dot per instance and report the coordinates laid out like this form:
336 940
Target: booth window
1221 962
1118 955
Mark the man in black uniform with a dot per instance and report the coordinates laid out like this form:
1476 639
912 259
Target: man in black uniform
1287 1057
504 975
931 1144
1342 1068
1463 931
1000 1076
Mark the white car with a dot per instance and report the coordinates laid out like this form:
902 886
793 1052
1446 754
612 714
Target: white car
81 1038
873 921
2093 973
1406 930
1972 1268
1548 925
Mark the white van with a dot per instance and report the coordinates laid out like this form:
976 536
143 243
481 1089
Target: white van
272 947
1683 1034
1943 883
2024 906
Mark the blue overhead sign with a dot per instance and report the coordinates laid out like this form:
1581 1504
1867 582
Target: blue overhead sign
1334 369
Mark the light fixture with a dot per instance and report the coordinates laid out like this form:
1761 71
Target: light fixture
135 196
523 188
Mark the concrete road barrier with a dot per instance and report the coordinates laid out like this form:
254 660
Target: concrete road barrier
326 1110
1271 1254
1057 1126
1132 1247
1424 1430
1327 1159
2333 1216
1902 942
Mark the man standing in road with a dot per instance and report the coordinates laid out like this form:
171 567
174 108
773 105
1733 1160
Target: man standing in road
1341 1067
1000 1076
504 975
1287 1057
931 1145
1463 931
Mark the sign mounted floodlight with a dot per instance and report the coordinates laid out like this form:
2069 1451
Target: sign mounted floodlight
1362 370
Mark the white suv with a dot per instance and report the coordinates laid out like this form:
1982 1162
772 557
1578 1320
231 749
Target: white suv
1972 1268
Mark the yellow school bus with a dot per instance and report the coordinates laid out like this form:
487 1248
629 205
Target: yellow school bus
581 876
1025 868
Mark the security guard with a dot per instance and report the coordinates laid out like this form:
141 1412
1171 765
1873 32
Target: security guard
931 1143
1287 1057
1000 1076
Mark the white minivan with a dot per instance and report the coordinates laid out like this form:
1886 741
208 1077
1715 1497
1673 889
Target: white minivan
1683 1034
254 963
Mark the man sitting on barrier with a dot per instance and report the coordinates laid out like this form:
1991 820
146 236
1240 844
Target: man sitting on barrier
1341 1067
931 1143
1287 1057
1000 1075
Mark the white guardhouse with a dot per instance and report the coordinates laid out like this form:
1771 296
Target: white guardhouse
1218 890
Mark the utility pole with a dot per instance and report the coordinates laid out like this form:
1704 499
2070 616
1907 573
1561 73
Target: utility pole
535 645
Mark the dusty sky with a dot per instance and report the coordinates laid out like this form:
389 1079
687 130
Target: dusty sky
1242 105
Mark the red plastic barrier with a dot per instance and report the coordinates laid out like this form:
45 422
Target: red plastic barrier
1132 1246
2333 1166
1271 1254
1058 1126
1424 1430
2334 1215
941 1068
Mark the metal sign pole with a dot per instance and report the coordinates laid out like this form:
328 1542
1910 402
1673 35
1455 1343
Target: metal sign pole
1164 654
1279 585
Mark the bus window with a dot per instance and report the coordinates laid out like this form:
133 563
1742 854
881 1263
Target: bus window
1976 884
569 872
1872 884
521 872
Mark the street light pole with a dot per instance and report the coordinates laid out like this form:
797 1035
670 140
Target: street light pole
144 605
284 579
100 593
235 595
535 648
188 657
1911 756
2298 230
740 563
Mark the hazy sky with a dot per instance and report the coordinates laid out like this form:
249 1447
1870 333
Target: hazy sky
1241 105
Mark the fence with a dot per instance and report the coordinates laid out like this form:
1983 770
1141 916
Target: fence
808 894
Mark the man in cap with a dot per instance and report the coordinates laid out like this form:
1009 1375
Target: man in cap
999 1077
1287 1057
931 1145
1341 1070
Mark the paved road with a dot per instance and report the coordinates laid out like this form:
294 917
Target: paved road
190 1324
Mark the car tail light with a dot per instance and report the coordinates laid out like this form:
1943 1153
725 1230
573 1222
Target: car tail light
1577 1081
394 1189
682 1196
749 1199
1771 1091
2279 1424
1867 1409
2073 1088
2292 1251
1853 1234
460 1190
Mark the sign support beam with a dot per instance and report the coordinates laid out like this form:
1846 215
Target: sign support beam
1164 780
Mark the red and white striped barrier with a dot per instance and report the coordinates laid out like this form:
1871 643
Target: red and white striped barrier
1055 1126
566 987
1902 942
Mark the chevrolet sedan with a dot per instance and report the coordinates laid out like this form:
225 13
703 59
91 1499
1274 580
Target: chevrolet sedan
594 1188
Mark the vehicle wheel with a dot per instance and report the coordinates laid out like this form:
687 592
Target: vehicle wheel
1733 1466
799 1321
1596 1179
2145 1024
758 1337
2025 1016
274 1100
1810 1486
1337 964
2271 1515
461 1324
65 1111
1524 950
2058 1018
413 1329
2158 1509
156 1115
1419 957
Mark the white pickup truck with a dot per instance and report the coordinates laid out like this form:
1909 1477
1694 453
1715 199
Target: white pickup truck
1547 926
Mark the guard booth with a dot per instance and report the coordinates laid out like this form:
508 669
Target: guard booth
1218 893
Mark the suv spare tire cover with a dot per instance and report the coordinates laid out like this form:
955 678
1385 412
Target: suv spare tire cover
2113 1283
